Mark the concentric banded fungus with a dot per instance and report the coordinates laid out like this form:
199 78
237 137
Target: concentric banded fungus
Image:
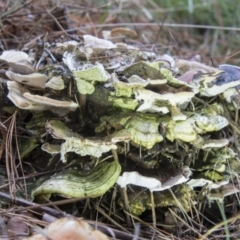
76 143
212 86
15 94
137 179
36 80
51 148
18 61
73 59
21 97
174 82
186 65
209 185
223 191
215 90
231 73
217 165
85 79
123 103
143 86
123 89
189 129
94 45
210 123
141 128
122 97
200 182
163 103
55 83
71 184
209 144
153 184
72 106
85 147
168 62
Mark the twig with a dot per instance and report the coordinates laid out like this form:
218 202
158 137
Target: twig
56 21
32 29
216 227
110 219
174 25
15 10
30 205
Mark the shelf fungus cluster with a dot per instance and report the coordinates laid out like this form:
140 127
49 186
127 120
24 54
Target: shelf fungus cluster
26 84
138 107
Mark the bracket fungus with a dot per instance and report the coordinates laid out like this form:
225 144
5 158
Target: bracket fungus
51 148
36 80
139 200
189 129
94 42
223 191
163 103
186 65
15 94
123 32
209 144
72 106
55 83
18 61
23 99
211 85
153 184
211 187
141 128
86 79
70 183
76 143
166 108
94 45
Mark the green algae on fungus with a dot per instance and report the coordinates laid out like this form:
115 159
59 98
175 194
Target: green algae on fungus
86 147
144 70
76 143
220 164
189 129
70 183
140 201
142 128
172 81
86 79
163 103
124 103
